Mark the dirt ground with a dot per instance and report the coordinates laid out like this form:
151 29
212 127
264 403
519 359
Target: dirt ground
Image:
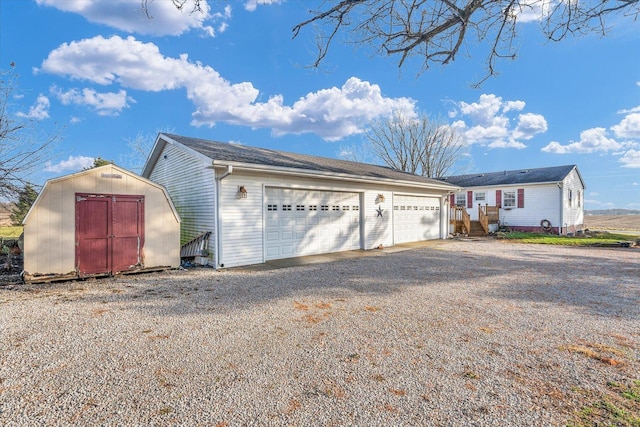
612 222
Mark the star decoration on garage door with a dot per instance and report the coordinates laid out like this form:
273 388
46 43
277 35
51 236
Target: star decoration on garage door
379 210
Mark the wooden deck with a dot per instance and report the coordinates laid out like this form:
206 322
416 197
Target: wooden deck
461 220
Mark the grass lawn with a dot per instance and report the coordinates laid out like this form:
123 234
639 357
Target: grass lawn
549 239
10 232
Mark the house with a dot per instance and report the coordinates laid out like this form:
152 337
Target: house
101 221
547 199
259 204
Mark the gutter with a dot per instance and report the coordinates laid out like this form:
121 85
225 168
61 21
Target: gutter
218 234
433 184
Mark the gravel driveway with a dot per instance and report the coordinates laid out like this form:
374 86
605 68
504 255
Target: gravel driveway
482 333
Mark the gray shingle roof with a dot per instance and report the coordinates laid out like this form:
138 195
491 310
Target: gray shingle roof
223 151
519 176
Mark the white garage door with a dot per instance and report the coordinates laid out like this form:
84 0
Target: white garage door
415 218
307 222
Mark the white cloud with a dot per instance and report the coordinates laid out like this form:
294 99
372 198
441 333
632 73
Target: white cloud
629 127
39 111
591 141
513 105
127 15
73 164
630 159
532 10
251 5
106 104
529 125
331 113
486 122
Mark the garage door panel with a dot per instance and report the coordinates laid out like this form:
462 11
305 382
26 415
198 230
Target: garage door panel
415 218
318 222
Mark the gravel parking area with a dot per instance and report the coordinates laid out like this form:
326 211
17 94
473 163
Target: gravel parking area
473 333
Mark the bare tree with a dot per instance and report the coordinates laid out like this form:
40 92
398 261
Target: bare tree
141 147
416 145
24 148
360 153
437 30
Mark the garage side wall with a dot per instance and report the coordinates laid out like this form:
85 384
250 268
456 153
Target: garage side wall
191 185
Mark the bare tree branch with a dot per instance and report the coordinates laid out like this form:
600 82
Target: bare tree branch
23 148
416 145
437 30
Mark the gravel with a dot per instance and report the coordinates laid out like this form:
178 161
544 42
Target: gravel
464 332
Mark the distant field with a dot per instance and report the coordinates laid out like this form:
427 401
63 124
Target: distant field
612 222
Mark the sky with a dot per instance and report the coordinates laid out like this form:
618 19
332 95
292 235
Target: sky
103 75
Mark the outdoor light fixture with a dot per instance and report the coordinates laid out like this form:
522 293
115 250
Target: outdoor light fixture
380 198
242 192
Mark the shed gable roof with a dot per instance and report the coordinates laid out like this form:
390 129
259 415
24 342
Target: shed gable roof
222 151
512 177
110 168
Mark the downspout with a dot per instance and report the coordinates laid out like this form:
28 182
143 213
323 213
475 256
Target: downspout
561 208
218 233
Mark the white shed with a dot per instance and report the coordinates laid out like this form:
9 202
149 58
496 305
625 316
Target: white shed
258 205
101 221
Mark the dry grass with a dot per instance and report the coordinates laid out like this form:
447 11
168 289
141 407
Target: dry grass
612 222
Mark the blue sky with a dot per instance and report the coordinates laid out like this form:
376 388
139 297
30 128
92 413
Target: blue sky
105 75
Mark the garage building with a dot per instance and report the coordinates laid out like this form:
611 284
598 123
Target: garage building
259 204
101 221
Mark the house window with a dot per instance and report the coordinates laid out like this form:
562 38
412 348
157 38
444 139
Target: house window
324 207
509 199
579 197
272 207
481 196
313 207
356 208
461 199
299 207
570 198
286 207
335 208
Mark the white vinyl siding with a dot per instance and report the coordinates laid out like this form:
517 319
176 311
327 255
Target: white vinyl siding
573 210
378 219
240 222
192 193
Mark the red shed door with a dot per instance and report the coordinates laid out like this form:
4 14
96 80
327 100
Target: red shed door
109 233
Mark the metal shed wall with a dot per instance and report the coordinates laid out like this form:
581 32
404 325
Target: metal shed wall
49 227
